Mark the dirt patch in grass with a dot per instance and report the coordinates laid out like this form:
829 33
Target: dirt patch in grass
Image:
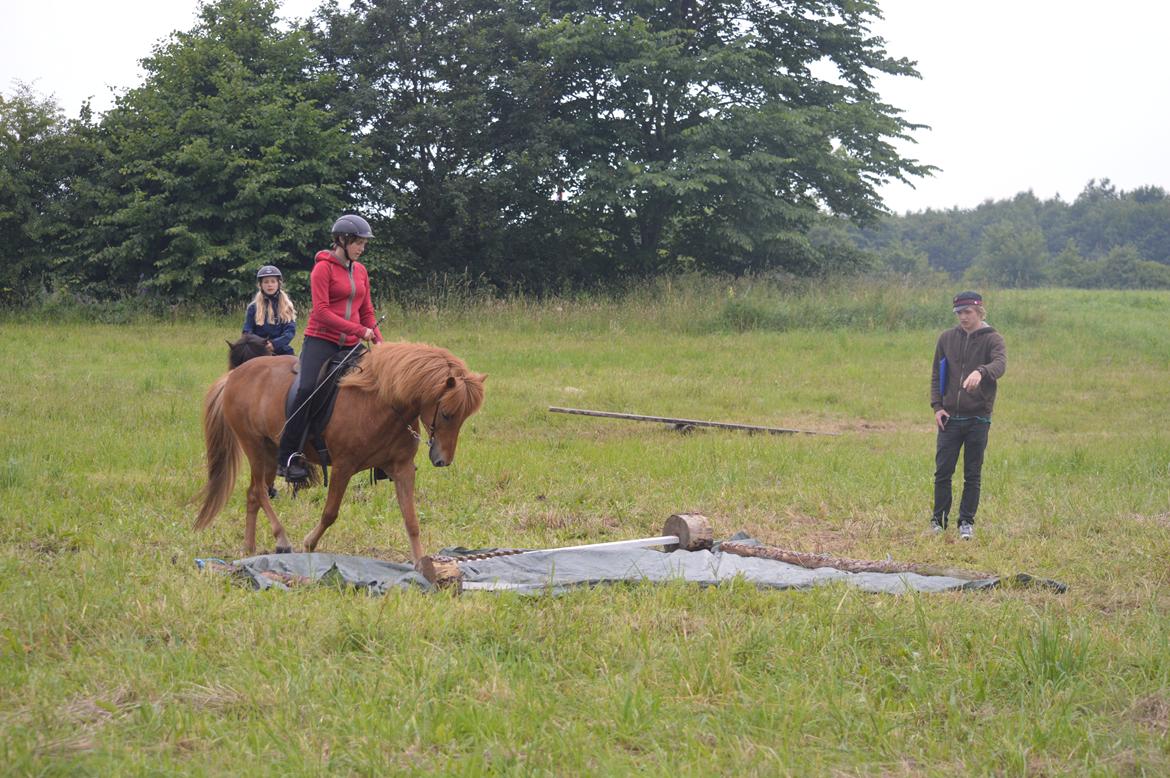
85 715
582 526
801 532
49 547
1152 712
1160 519
218 697
91 710
863 426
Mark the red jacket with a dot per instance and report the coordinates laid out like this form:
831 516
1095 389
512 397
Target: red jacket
341 301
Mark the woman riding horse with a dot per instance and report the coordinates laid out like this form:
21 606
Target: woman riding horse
342 315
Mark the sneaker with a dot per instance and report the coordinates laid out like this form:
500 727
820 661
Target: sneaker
936 526
966 531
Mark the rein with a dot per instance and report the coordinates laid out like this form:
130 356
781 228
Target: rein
344 361
430 427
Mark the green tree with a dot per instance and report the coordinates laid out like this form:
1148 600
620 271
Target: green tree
452 98
1069 268
904 259
224 159
545 140
34 167
1010 256
716 130
1124 268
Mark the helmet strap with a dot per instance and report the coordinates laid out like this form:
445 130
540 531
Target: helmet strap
343 242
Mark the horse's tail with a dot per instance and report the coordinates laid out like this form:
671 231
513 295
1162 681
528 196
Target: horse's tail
223 456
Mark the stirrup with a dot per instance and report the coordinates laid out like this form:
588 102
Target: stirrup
294 468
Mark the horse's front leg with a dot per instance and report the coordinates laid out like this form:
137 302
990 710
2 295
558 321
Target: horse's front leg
404 488
337 487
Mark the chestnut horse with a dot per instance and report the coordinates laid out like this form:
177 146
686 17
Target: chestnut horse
375 423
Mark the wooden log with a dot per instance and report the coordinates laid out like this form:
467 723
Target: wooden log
443 572
686 425
813 561
692 530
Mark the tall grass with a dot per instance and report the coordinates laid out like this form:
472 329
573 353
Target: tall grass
116 657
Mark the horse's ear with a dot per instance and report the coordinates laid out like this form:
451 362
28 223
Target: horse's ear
450 382
481 376
230 344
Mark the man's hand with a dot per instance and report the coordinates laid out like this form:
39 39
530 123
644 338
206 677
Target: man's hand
940 418
972 381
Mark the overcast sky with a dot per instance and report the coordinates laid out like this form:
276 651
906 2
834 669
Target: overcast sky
1019 94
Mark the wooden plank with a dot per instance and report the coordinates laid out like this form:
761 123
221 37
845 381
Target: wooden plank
683 423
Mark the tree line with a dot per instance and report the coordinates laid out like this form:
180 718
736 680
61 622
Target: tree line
531 145
1104 238
528 144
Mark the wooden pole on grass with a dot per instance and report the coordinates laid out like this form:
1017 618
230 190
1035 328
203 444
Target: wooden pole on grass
685 425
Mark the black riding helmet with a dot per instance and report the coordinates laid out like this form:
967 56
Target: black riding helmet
347 228
269 271
352 225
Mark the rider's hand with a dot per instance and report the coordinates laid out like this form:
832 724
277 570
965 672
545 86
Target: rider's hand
268 345
368 334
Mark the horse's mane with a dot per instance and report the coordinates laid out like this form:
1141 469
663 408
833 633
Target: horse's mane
405 372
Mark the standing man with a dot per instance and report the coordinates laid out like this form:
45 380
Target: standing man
968 362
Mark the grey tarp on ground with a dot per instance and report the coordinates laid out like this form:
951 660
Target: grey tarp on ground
557 571
375 575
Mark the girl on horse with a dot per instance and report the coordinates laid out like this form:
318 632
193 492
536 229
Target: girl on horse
342 316
271 314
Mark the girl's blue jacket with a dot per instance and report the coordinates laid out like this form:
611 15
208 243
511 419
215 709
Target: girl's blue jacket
280 335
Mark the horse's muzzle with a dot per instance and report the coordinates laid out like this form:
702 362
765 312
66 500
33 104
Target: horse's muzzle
436 455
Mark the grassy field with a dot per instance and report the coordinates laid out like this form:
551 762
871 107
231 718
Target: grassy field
117 657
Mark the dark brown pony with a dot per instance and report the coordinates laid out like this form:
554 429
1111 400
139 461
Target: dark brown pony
247 346
375 423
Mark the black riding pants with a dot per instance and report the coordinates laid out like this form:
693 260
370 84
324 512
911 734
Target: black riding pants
970 435
315 352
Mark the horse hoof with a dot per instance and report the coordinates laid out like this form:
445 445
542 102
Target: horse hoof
284 549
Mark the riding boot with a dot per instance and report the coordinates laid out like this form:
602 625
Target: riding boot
290 460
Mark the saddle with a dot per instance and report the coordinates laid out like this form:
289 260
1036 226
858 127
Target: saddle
320 408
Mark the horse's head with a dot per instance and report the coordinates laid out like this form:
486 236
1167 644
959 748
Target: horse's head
427 378
461 396
247 347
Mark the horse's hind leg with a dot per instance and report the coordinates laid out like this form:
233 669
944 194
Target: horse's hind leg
257 499
337 487
263 468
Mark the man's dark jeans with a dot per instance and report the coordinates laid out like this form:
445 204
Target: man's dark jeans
971 436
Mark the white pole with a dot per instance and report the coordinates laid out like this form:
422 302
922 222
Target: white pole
661 540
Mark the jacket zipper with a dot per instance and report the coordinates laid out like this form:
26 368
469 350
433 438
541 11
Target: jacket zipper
349 302
962 367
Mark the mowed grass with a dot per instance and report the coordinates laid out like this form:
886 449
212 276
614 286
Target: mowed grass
117 657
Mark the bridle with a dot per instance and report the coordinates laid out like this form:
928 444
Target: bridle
429 427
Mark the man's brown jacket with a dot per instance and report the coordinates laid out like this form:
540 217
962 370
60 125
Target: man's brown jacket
981 350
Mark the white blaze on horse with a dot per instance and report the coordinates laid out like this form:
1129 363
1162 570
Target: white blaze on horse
375 423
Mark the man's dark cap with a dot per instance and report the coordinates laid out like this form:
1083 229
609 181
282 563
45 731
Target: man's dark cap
966 300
